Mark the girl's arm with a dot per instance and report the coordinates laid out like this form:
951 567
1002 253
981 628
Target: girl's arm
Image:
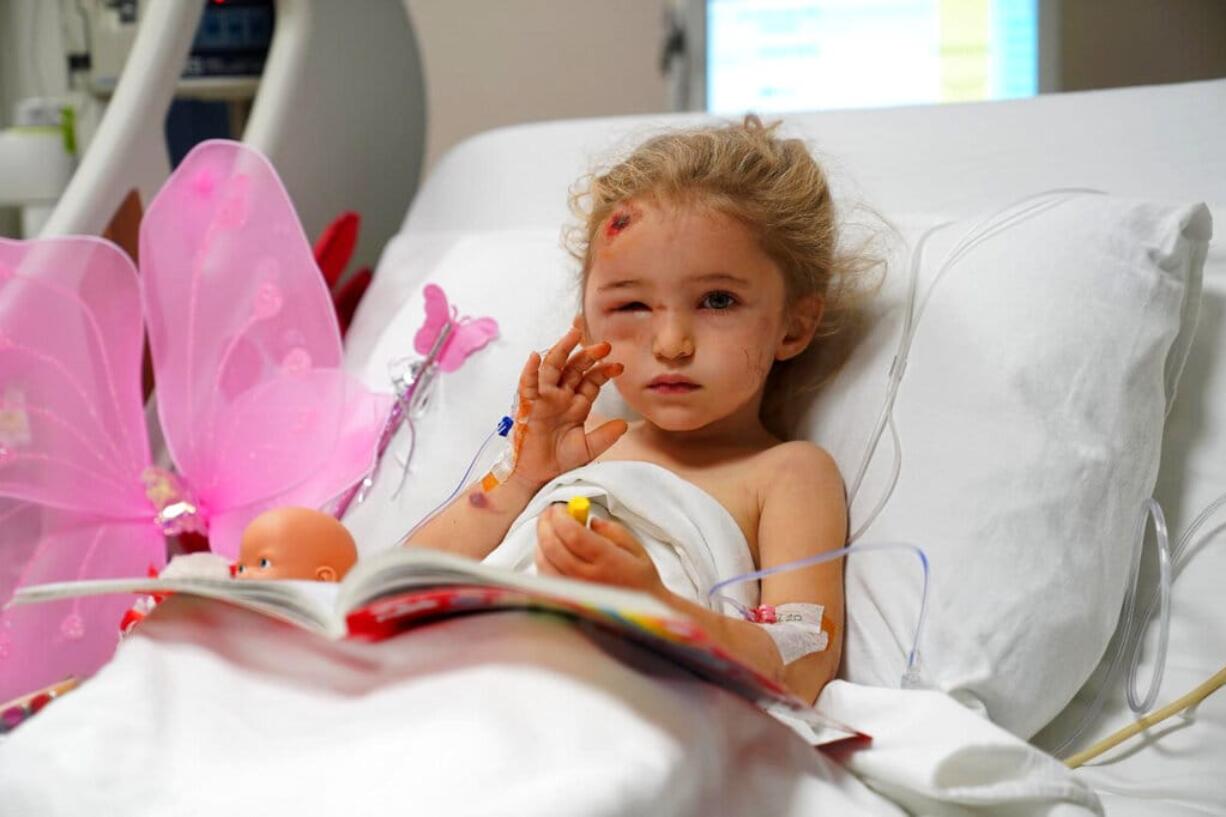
803 514
559 389
476 521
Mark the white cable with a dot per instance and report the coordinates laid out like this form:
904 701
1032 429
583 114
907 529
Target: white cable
1169 564
912 676
1127 623
472 464
1138 704
1162 595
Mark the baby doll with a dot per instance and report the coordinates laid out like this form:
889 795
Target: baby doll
708 265
295 543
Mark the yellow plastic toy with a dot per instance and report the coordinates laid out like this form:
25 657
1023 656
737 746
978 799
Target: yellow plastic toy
578 508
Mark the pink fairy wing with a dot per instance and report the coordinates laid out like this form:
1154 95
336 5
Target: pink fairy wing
72 448
242 331
41 644
72 431
466 338
437 314
362 420
351 429
233 299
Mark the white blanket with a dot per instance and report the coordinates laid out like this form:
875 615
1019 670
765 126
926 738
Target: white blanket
692 539
213 709
216 710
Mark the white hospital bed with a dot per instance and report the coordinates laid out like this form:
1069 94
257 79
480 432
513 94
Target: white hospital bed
1154 143
1160 143
335 148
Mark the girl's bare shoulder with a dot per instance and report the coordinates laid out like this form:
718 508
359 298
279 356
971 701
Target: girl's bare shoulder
796 464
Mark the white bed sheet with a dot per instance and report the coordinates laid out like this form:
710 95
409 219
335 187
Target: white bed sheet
211 709
1159 142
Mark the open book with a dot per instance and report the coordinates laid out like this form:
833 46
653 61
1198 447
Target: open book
396 590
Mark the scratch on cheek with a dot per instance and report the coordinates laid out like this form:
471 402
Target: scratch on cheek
478 499
750 367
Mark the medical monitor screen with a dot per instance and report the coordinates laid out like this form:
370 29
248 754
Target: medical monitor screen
794 55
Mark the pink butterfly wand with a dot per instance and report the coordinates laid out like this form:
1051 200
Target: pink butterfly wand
446 340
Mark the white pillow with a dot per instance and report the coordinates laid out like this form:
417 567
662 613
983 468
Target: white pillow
1031 415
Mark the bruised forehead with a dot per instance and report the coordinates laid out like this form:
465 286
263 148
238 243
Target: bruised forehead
650 241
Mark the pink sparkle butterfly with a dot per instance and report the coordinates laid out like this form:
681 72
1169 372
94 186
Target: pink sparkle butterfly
254 407
468 335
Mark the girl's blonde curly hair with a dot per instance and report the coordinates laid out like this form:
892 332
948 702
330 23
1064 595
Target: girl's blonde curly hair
774 187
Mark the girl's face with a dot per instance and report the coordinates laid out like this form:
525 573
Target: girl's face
693 309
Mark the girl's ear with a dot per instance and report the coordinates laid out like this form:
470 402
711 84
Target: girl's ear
803 318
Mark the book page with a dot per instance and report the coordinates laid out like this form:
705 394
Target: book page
403 569
310 605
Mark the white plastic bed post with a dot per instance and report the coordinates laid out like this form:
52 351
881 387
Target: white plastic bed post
129 148
341 112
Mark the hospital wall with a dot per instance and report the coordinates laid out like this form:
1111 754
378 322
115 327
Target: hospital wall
491 64
1113 43
502 63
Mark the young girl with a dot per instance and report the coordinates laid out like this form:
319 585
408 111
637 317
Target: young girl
708 263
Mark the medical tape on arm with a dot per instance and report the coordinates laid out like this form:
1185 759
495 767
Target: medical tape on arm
795 627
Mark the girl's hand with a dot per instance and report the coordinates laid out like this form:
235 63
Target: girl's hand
561 388
607 554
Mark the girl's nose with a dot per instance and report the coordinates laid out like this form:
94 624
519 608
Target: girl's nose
673 340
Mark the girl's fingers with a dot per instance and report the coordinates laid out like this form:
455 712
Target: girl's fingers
583 360
616 533
603 437
555 553
597 377
582 544
544 533
555 359
528 378
543 565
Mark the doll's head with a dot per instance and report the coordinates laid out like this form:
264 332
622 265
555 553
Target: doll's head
710 261
295 543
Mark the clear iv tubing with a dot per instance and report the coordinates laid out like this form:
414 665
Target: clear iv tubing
911 677
472 464
1151 509
1159 597
985 229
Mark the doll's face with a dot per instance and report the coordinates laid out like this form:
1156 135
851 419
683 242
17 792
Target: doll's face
295 543
693 309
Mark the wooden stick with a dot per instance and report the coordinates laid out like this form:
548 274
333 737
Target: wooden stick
1157 716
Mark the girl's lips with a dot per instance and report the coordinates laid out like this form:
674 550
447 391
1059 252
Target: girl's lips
672 385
